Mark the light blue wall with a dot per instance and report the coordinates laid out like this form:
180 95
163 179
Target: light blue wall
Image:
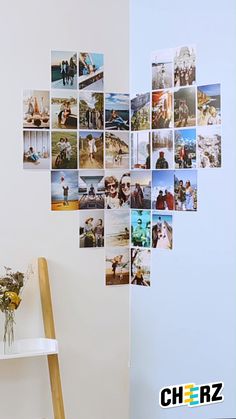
184 327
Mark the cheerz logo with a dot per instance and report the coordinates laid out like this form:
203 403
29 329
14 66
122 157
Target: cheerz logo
191 395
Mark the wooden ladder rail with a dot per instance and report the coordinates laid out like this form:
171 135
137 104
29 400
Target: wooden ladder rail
49 328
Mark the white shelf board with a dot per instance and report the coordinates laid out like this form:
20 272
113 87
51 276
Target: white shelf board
28 347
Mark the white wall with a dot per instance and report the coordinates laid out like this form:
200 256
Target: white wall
183 327
91 320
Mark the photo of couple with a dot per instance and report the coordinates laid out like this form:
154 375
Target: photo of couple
117 190
64 110
63 70
91 230
186 190
91 109
64 150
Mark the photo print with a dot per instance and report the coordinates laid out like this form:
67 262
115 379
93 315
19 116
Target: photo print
162 115
36 150
64 190
140 228
162 69
141 150
163 190
209 146
162 231
91 189
140 112
117 228
64 149
117 150
186 190
209 104
117 266
91 110
162 149
117 111
63 70
117 189
185 66
140 267
141 189
185 107
185 148
91 150
36 109
91 71
91 228
64 109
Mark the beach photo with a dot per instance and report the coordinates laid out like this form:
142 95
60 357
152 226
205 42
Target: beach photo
163 190
162 69
117 150
162 149
141 150
64 190
63 70
186 190
64 149
140 269
140 228
91 71
36 150
185 107
91 150
185 66
64 109
91 109
91 189
141 183
162 231
36 109
117 228
162 115
185 148
209 147
117 189
117 266
209 104
117 111
91 228
140 112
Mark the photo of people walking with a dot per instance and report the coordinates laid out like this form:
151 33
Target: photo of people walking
91 150
63 70
117 266
91 107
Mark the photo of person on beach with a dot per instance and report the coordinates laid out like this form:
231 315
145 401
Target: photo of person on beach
63 70
117 228
117 150
117 111
91 71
